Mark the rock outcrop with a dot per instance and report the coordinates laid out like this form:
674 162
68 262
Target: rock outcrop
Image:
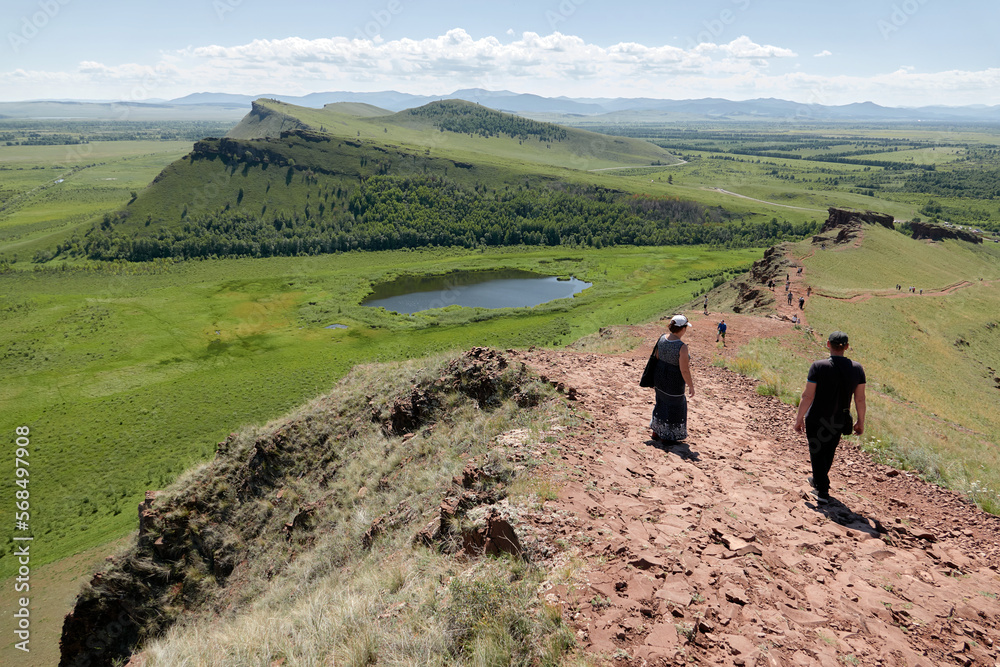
267 494
843 225
924 230
752 293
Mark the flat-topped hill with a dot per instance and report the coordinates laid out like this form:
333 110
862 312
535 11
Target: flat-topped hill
455 126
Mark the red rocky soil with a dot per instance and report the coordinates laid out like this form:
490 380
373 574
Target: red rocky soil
711 552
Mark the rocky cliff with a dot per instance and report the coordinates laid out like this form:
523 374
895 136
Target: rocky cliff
923 230
205 545
844 225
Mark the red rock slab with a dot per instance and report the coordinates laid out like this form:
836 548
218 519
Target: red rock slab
804 619
676 591
663 636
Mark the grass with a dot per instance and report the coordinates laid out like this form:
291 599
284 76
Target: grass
124 382
928 358
329 601
37 212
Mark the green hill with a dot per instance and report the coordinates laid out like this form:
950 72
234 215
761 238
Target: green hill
290 180
357 109
469 131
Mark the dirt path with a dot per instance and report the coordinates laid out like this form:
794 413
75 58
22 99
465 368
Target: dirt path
771 203
711 552
642 166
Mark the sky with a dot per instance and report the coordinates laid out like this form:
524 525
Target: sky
894 53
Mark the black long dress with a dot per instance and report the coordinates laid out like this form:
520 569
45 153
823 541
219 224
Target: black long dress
669 420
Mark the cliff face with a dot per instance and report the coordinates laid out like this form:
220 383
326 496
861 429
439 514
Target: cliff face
923 230
752 292
840 217
844 225
263 122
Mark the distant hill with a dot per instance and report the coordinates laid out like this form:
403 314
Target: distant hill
210 105
291 180
469 131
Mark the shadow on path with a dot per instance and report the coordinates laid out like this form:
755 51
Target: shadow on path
843 515
681 449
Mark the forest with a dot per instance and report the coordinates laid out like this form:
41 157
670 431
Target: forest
388 213
467 118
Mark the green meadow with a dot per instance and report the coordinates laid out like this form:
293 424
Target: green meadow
801 169
48 192
129 374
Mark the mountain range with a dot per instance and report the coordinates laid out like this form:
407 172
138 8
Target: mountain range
620 108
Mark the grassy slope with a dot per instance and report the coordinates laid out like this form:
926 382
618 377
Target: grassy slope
932 360
580 150
202 186
323 453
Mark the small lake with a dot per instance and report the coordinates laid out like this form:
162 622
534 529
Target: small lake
509 288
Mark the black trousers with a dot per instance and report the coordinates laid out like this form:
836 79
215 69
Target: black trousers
823 440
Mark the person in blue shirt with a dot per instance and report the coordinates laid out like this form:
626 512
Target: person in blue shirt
722 333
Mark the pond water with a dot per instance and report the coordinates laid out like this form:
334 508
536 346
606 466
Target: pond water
508 288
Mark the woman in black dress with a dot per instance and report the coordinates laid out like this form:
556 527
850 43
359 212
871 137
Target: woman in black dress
669 422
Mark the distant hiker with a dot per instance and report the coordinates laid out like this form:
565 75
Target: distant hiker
825 410
799 272
809 291
706 304
788 277
802 302
921 290
669 422
789 298
722 333
795 319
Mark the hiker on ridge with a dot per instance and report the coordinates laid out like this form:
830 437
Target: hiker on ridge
669 422
825 410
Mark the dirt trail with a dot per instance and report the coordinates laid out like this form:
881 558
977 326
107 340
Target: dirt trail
762 201
711 552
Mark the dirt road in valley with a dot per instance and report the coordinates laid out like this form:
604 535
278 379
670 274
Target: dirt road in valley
711 552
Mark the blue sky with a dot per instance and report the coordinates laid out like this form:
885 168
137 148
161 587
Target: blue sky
899 52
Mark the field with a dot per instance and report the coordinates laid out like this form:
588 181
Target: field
130 373
48 190
945 172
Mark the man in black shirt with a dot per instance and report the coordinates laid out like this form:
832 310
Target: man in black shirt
825 409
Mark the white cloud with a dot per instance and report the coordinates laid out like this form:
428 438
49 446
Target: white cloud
551 65
822 54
